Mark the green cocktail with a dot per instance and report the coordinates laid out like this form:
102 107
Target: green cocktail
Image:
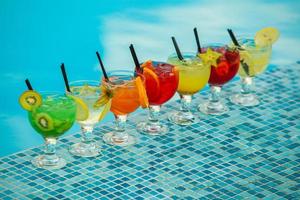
54 117
51 115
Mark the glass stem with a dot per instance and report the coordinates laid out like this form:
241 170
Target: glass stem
120 123
215 94
185 101
154 114
50 150
86 133
246 85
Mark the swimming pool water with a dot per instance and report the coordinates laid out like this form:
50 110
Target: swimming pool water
36 36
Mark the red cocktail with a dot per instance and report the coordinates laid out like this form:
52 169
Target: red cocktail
227 66
224 66
161 85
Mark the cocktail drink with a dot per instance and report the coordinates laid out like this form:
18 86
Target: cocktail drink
224 62
255 55
51 114
161 83
92 106
128 93
193 76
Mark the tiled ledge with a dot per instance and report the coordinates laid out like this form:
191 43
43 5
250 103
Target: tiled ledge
247 153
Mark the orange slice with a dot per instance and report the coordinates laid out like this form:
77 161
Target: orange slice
142 92
152 84
148 64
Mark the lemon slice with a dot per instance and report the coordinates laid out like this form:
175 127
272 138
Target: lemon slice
82 110
266 36
30 99
105 110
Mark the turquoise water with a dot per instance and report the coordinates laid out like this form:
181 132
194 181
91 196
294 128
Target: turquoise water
36 36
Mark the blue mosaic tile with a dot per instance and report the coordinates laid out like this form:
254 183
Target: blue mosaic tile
248 153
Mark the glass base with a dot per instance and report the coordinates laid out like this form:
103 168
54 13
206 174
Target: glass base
153 129
183 118
245 99
85 150
213 108
111 139
49 162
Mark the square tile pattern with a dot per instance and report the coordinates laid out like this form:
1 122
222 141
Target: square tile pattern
248 153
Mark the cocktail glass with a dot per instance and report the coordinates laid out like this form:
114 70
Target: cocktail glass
125 99
193 76
87 94
223 69
254 60
161 84
51 119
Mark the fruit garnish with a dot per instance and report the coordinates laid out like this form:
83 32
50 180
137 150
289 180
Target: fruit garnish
103 99
152 83
210 57
223 68
266 36
246 61
87 90
142 92
106 95
82 110
105 110
148 64
44 122
30 99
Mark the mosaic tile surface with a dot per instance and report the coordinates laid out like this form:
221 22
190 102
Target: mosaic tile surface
248 153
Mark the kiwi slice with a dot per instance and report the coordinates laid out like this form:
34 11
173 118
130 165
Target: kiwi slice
30 99
44 122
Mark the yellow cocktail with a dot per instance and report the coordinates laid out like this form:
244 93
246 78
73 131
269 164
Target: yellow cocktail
255 55
193 76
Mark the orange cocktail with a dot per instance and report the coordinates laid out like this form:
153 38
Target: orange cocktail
128 93
125 99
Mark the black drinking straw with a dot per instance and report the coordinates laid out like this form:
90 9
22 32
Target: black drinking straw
28 84
179 55
233 38
197 40
135 59
102 66
63 70
235 42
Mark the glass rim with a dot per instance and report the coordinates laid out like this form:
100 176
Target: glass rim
248 37
184 53
127 83
55 94
51 93
213 44
82 81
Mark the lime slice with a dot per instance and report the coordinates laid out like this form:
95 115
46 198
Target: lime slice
266 36
82 110
30 99
105 110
